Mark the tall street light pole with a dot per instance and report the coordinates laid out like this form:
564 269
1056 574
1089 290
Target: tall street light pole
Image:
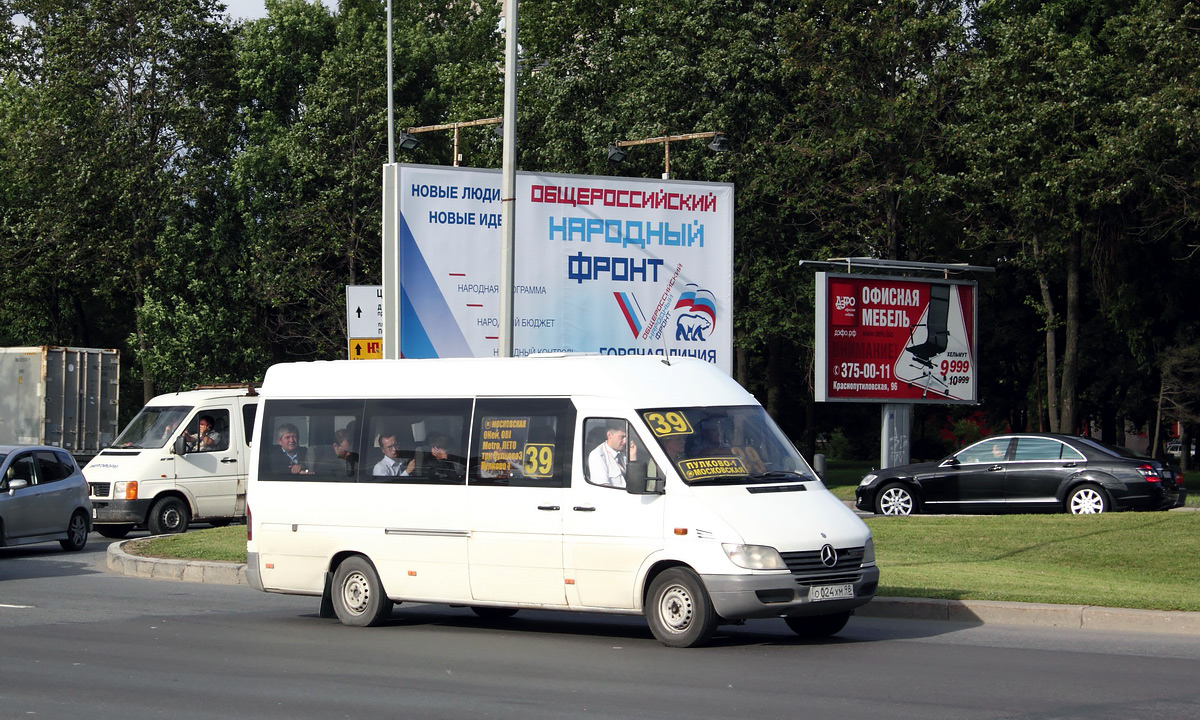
391 110
508 184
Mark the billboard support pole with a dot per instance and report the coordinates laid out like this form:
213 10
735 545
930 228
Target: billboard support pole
391 262
895 435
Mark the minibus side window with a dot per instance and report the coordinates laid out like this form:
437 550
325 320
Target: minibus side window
310 440
249 410
609 444
416 441
522 442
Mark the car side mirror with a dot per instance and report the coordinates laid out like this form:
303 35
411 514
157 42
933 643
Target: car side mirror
638 481
180 446
17 484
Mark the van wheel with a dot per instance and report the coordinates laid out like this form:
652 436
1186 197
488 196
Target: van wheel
679 611
116 532
493 613
818 626
358 596
169 515
77 532
895 499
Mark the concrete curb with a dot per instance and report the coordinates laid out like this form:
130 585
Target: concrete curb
978 612
1083 617
221 573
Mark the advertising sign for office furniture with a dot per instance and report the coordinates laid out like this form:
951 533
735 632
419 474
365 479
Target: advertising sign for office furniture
889 339
618 266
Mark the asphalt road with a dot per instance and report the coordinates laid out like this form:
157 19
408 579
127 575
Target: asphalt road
79 641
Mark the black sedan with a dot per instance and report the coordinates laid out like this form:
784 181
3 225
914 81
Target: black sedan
1025 473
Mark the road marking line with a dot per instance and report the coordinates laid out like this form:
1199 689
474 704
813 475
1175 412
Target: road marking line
21 607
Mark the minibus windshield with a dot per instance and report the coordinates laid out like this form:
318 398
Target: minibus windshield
726 445
153 427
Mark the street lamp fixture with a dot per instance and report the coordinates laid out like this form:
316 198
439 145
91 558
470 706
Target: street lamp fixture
617 153
409 142
409 137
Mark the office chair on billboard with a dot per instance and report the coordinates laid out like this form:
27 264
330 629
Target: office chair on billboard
937 337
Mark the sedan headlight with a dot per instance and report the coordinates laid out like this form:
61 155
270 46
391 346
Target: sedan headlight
868 479
755 557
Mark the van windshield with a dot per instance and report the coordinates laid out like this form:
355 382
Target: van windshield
153 427
726 445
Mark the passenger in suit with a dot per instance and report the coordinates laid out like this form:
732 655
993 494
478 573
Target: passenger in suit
289 457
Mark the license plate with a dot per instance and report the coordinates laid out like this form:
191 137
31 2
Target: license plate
830 592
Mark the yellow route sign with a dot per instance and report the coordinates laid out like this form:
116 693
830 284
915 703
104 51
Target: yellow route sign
365 348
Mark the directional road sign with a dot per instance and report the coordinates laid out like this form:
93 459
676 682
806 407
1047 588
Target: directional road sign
364 321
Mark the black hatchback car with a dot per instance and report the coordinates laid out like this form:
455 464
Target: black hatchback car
1025 473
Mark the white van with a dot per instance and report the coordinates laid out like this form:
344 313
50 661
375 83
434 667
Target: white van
635 485
159 476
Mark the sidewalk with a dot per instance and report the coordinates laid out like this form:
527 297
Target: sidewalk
1084 617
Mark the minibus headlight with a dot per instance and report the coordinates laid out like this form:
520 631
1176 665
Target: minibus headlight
869 552
755 557
868 479
125 490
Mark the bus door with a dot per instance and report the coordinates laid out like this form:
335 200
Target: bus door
516 499
608 533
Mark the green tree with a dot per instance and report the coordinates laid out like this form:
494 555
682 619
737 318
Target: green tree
131 103
1069 130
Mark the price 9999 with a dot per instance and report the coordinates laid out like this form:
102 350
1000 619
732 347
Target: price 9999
955 366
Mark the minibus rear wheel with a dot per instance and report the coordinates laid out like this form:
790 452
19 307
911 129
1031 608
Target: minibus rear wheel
358 596
679 611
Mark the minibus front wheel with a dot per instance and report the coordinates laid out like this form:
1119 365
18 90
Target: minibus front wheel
358 596
679 611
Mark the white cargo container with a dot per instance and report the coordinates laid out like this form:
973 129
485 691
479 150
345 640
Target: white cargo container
61 396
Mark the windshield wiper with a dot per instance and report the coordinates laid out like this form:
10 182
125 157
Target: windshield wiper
781 475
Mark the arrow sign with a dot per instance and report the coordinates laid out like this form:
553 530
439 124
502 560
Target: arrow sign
365 348
364 312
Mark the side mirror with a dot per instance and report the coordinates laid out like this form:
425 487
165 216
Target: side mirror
638 481
17 484
180 446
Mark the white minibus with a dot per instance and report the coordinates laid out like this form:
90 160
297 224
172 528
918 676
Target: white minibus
157 474
638 485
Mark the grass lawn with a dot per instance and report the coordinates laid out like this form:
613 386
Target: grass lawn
226 544
1131 560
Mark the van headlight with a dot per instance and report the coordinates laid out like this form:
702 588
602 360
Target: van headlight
869 552
125 490
868 479
755 557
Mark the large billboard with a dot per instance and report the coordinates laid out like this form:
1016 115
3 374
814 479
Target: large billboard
602 265
890 339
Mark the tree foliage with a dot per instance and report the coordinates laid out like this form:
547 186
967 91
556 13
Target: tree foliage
199 192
